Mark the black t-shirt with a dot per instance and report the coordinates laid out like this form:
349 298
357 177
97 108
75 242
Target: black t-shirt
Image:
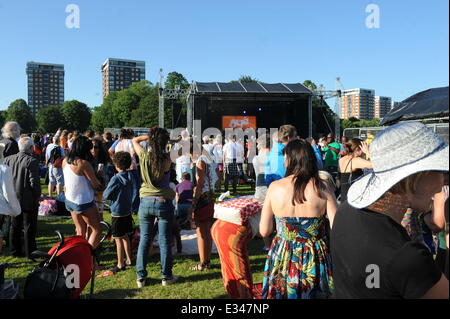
373 257
11 146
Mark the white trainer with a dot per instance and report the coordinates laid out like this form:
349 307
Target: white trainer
166 282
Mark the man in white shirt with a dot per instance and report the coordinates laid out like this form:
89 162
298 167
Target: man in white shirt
230 154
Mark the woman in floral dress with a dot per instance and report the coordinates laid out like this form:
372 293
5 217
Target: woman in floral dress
298 265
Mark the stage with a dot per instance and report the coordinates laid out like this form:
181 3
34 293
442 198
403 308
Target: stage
260 105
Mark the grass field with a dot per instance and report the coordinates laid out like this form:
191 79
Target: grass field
191 285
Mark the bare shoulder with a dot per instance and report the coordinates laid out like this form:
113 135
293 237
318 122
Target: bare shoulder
281 186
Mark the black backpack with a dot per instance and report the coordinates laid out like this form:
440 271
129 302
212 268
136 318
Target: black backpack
56 157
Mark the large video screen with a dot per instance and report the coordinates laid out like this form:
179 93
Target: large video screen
244 122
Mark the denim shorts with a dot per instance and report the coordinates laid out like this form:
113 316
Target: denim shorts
79 209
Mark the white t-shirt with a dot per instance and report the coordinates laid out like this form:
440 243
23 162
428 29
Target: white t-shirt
234 151
259 163
184 159
217 152
126 145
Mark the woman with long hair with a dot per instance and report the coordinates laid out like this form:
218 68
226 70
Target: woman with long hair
80 185
99 162
352 164
203 205
299 263
156 203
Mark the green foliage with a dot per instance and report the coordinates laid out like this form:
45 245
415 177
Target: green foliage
76 115
354 123
310 85
137 106
147 112
126 102
20 112
245 79
3 115
174 79
49 119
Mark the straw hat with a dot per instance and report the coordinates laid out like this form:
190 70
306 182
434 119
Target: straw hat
396 153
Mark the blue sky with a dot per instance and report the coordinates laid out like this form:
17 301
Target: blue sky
274 41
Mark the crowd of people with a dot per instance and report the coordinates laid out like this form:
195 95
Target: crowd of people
332 210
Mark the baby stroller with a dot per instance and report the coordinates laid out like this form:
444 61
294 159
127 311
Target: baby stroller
66 270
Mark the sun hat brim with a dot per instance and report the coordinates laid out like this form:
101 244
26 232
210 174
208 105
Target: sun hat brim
369 188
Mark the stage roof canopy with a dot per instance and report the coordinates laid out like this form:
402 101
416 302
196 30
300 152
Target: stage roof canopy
431 103
251 87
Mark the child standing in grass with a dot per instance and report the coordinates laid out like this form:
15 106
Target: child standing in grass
120 193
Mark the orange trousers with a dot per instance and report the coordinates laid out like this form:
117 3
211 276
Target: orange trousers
231 242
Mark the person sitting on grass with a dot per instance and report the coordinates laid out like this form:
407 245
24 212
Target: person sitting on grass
119 192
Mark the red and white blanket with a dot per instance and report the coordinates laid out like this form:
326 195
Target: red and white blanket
238 210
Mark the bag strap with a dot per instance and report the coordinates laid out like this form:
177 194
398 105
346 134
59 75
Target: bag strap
57 277
351 172
349 181
208 176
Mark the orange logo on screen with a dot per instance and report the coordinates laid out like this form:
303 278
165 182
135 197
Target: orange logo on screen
243 122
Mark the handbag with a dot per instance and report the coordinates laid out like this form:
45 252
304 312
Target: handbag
204 208
47 283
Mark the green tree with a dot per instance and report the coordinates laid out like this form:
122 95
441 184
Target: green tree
3 115
147 112
76 115
49 119
102 118
245 79
174 79
20 112
123 105
347 123
310 85
369 123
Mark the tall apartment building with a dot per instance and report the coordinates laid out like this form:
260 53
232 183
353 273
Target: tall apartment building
45 85
118 74
383 105
357 103
394 104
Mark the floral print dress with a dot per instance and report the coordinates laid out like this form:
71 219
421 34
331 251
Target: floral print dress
298 265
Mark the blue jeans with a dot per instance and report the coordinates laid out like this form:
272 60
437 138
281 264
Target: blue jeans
149 209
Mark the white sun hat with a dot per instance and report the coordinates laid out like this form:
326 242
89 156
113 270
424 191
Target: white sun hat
397 152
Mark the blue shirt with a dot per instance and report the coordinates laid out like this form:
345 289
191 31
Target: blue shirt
274 169
120 193
318 154
113 146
